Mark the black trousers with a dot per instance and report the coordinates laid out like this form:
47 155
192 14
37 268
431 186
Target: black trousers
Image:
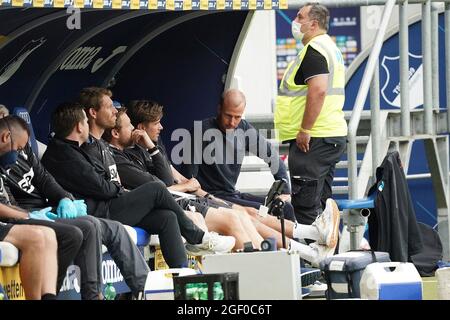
152 207
312 175
124 252
87 258
126 255
69 240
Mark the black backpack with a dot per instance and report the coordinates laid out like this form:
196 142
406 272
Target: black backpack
426 260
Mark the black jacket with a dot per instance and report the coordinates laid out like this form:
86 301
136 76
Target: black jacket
99 149
132 174
30 184
393 226
6 196
153 161
81 174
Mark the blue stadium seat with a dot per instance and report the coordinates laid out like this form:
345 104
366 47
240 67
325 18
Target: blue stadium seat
355 214
23 113
363 203
356 204
143 238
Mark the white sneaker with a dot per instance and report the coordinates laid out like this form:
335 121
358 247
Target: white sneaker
328 224
317 289
211 243
322 253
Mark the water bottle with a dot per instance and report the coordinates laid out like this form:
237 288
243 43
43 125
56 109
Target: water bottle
203 289
191 291
109 292
218 291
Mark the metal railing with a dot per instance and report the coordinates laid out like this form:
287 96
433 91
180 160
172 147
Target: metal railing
404 68
437 145
369 72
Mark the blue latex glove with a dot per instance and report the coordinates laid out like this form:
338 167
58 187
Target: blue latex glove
43 214
66 209
81 207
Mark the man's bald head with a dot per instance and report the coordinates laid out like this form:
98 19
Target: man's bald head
233 98
231 109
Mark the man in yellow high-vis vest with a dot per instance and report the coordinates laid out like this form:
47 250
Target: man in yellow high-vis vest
309 112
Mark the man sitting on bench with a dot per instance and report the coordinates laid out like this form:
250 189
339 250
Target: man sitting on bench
150 206
33 188
136 164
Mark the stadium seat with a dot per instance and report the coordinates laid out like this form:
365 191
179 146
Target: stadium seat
355 204
139 236
143 238
354 216
9 254
23 113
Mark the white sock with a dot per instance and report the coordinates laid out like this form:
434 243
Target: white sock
306 252
303 231
206 237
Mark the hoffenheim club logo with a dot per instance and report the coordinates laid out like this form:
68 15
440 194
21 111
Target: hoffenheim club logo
391 88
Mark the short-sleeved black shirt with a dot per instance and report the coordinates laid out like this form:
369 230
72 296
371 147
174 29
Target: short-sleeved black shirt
313 64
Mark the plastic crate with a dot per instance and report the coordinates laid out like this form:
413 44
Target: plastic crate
229 282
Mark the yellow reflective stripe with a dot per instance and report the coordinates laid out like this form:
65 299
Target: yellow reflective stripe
331 89
284 87
304 92
330 67
293 93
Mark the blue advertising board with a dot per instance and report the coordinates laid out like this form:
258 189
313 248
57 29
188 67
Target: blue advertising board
70 289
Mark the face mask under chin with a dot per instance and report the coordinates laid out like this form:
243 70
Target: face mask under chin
9 159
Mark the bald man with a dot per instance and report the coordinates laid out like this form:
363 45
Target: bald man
216 163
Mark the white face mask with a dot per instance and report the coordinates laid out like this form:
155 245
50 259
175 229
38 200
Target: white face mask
296 32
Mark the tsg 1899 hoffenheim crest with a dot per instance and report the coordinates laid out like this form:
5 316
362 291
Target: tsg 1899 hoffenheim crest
391 87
